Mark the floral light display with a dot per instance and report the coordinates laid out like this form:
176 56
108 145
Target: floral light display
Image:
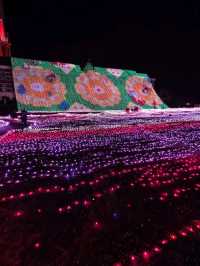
97 89
38 87
55 86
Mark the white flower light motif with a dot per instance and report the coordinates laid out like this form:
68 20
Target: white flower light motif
115 72
67 68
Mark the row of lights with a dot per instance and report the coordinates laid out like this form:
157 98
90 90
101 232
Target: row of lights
86 203
145 256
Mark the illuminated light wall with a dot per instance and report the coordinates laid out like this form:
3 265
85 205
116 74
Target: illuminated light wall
49 86
2 31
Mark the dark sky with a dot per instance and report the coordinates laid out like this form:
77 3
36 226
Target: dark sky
159 38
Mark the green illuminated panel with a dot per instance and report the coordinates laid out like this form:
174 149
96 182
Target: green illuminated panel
48 86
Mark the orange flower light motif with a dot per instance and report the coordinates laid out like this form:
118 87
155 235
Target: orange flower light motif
38 87
141 91
97 89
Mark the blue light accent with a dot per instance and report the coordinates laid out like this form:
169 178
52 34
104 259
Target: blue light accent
21 89
64 105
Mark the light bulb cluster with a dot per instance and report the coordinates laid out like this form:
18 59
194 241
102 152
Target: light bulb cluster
3 124
112 118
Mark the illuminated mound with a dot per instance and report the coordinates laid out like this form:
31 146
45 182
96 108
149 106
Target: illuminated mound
47 86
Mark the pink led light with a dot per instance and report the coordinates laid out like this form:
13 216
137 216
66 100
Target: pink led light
157 249
183 233
68 208
164 241
117 264
164 194
18 213
112 189
146 255
162 198
133 258
198 226
37 245
98 195
76 202
97 225
71 188
60 210
190 229
86 203
173 237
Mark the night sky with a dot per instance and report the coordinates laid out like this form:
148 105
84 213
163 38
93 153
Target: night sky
161 39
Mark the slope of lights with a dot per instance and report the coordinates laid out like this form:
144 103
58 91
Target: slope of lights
101 189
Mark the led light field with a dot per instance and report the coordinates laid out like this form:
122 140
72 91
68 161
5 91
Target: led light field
101 190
